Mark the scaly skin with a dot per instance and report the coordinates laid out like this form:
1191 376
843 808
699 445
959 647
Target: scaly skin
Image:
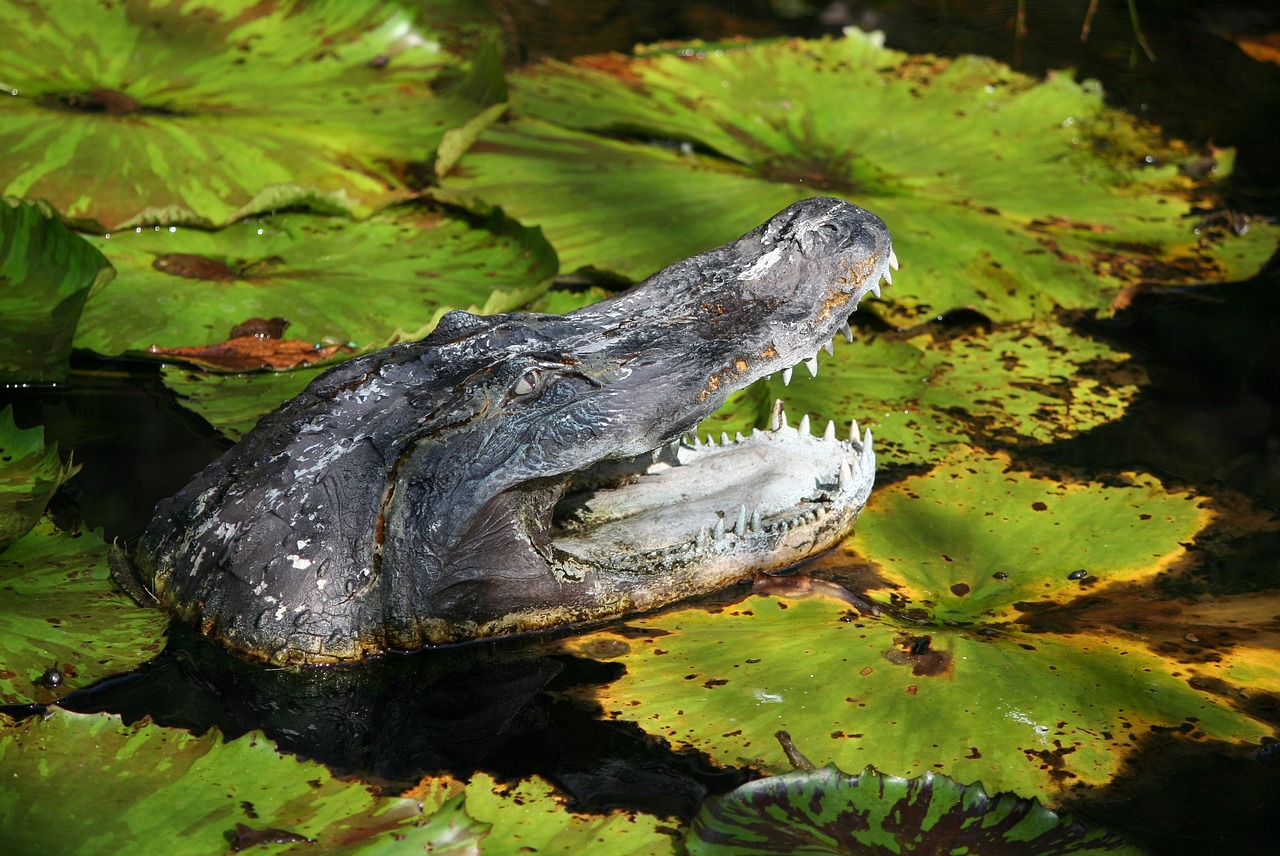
407 497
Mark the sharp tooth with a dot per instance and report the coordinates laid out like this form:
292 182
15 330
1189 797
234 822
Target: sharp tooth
756 526
740 527
866 443
711 441
829 348
853 431
724 438
786 376
654 455
875 289
845 479
893 260
803 427
779 418
829 433
697 442
738 438
812 365
718 532
846 331
702 536
888 277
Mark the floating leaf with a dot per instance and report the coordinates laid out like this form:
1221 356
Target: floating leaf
542 825
828 811
970 539
61 610
46 274
204 112
334 281
1018 712
1037 200
247 353
142 787
29 474
233 403
1025 383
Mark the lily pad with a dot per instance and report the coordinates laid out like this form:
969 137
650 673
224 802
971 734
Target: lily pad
828 811
970 539
1031 714
145 787
334 281
61 610
1025 208
29 474
1021 384
46 274
205 112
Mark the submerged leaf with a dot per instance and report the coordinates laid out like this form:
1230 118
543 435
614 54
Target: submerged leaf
46 274
1003 193
30 472
828 811
204 112
61 610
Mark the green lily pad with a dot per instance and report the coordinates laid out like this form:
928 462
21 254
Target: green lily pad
46 274
1021 384
145 788
334 281
543 825
1027 713
29 474
828 811
970 539
1024 209
205 112
60 609
233 403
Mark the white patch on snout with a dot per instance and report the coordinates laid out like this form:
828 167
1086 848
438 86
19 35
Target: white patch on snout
299 563
762 264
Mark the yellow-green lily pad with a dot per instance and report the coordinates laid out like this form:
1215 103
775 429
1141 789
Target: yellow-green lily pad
30 472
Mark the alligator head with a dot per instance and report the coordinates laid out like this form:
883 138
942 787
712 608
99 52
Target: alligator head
523 471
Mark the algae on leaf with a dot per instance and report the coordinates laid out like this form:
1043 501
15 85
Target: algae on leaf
204 112
46 274
1002 192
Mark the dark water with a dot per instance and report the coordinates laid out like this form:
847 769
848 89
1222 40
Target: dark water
1209 418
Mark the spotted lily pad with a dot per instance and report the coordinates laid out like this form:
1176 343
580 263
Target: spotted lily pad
61 610
46 274
1008 194
30 472
145 787
828 811
153 112
1020 384
334 281
942 680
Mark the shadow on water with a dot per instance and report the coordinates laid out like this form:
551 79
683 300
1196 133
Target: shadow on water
500 708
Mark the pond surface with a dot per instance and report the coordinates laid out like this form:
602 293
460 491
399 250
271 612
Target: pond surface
1204 422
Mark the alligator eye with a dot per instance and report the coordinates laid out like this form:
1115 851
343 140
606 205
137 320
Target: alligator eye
528 383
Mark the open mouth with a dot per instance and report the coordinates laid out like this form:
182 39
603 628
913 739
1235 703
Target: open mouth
761 501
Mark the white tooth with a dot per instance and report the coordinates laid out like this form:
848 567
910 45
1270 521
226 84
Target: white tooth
724 438
888 277
866 447
893 260
829 433
803 427
756 526
718 532
779 419
755 431
654 455
674 446
812 365
697 442
711 441
853 431
786 376
738 438
875 289
740 527
702 536
829 348
846 476
846 331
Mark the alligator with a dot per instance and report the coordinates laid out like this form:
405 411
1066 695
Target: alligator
524 471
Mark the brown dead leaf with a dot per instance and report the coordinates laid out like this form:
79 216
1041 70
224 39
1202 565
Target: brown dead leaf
253 353
1261 48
